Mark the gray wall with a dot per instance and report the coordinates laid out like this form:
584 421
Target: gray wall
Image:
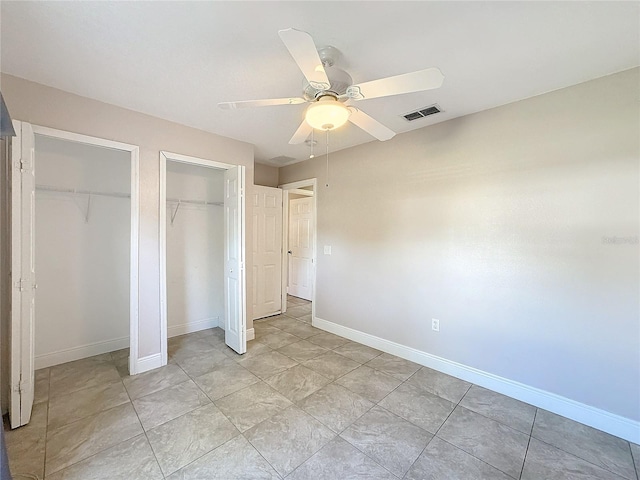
499 224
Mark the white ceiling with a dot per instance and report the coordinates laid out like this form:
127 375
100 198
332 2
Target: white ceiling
177 60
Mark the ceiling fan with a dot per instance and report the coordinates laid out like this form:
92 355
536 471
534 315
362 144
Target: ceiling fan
330 90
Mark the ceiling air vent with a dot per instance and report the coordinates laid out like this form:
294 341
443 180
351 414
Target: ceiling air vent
423 112
280 161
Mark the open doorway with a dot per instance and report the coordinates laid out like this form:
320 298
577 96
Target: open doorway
299 242
202 248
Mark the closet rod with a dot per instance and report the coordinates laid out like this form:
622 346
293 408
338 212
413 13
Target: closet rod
48 188
194 202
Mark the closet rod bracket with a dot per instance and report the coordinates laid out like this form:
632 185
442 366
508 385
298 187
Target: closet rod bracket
175 212
86 217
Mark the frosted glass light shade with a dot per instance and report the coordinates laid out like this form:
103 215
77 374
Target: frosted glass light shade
326 114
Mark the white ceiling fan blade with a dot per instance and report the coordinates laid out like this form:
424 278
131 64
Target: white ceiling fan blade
301 134
260 103
369 125
419 81
304 52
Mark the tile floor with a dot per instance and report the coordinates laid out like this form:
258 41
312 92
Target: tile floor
301 404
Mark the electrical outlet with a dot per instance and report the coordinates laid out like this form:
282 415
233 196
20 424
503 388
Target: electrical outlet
435 324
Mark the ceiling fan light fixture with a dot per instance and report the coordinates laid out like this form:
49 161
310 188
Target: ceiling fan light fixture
327 113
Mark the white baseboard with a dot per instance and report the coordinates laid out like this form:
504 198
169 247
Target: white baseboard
76 353
149 362
251 334
602 420
182 329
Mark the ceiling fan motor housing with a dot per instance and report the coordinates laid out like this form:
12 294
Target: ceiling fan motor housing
339 80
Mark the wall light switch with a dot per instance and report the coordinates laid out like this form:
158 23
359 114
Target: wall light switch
435 324
327 249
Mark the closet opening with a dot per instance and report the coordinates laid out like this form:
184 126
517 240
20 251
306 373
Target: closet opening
202 249
299 240
74 258
82 250
195 248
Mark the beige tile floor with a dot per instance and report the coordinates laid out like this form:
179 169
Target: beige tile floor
300 404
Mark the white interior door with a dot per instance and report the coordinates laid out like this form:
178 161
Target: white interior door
235 317
22 274
267 251
301 247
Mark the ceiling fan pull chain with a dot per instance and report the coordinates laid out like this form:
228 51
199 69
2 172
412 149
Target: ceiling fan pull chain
327 184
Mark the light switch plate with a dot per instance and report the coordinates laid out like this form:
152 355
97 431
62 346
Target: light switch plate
327 249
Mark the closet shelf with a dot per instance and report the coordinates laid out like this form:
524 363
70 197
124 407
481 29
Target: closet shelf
47 188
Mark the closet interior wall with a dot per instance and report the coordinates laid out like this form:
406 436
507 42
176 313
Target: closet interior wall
195 248
82 250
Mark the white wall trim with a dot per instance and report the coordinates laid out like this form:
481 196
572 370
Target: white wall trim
602 420
80 138
162 259
184 328
83 351
149 362
203 162
134 315
284 275
299 184
251 334
300 191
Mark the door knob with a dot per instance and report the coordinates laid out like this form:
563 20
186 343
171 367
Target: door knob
289 252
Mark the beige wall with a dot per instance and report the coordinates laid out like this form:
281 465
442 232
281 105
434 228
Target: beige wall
45 106
265 175
499 224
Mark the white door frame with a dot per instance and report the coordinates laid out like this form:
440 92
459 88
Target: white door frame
177 157
287 188
135 216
